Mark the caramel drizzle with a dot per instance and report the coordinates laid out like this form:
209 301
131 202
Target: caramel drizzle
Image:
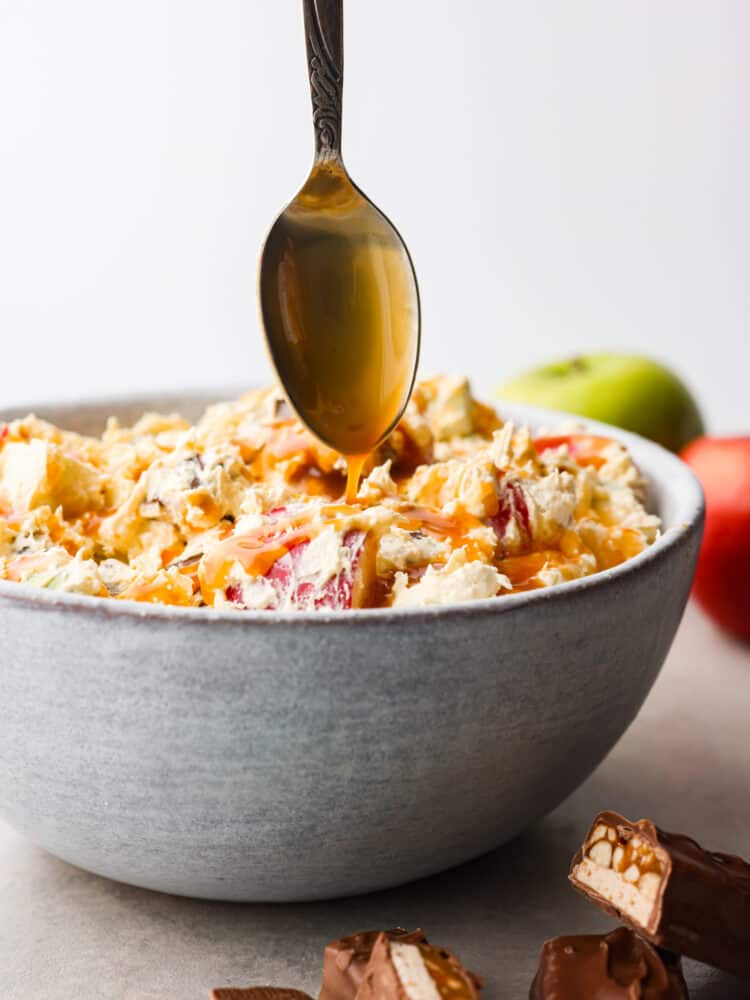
354 466
310 469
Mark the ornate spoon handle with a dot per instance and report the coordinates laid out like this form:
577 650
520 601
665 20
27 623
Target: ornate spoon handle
324 33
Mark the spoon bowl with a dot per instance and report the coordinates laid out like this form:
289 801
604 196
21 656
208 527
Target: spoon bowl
340 308
337 289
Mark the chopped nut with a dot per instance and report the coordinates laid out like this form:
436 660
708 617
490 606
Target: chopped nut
601 853
632 874
611 835
599 833
617 858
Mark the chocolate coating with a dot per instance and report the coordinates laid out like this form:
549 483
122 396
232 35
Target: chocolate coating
702 908
257 993
345 960
616 966
382 982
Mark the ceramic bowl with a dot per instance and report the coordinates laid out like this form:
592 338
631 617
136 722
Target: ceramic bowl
262 756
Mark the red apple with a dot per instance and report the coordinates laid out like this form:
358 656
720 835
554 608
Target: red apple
722 581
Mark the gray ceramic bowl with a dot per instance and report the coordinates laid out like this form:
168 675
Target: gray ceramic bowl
260 756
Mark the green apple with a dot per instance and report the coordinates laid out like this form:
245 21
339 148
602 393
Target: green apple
632 392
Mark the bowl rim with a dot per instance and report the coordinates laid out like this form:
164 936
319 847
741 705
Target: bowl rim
675 477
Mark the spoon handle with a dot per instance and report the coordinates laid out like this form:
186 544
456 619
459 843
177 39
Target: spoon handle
324 34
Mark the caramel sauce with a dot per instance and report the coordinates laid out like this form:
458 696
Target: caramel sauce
309 466
616 550
341 310
354 466
209 510
455 530
450 980
522 571
155 592
634 850
640 855
312 482
256 553
571 545
171 553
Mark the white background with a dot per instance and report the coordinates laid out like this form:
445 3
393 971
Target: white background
569 175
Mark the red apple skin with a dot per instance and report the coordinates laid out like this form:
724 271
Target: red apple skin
722 580
338 593
343 591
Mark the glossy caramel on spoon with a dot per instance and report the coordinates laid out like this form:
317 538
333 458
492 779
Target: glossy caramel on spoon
337 289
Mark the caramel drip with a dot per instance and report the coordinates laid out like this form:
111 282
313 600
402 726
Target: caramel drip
354 466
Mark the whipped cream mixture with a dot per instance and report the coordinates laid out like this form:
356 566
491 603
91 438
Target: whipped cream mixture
244 509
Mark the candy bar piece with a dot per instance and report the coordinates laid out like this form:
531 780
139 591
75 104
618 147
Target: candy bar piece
616 966
398 970
257 993
345 960
669 889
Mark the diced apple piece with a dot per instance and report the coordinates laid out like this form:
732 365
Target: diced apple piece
333 571
37 473
512 523
299 586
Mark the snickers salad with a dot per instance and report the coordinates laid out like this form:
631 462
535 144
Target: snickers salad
244 509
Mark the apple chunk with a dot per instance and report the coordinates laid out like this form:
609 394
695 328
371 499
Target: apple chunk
512 521
331 572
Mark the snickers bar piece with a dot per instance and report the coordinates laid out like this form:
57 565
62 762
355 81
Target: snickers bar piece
399 970
669 889
616 966
257 993
345 960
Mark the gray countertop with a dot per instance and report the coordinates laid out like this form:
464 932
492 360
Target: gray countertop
685 763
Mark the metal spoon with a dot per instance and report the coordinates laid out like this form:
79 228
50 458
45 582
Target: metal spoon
338 294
